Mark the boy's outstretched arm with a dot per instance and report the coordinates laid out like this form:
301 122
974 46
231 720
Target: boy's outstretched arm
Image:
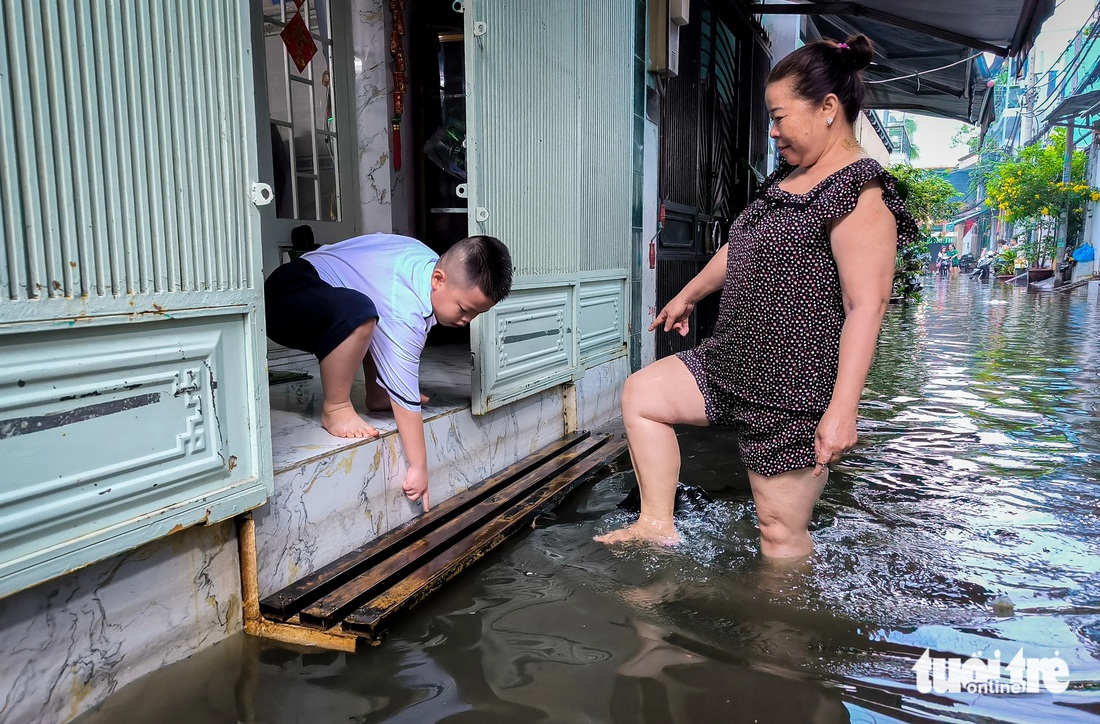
410 428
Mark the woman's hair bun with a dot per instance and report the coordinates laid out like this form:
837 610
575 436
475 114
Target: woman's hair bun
826 66
857 51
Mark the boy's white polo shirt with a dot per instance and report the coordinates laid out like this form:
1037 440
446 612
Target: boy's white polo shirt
396 273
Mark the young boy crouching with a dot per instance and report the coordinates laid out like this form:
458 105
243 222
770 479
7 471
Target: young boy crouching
370 301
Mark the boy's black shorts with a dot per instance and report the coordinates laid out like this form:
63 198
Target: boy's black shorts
304 312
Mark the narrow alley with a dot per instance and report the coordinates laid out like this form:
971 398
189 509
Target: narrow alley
966 523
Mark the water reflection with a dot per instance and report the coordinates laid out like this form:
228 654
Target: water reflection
976 480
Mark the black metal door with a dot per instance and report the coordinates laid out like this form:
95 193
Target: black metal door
713 134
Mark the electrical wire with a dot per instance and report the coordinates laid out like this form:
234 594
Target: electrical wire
1062 76
1056 94
921 72
1071 68
1063 49
1066 74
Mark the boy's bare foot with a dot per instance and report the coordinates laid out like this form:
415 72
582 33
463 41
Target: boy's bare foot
342 420
644 530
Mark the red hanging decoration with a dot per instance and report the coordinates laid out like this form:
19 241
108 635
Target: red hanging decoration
397 50
298 41
396 143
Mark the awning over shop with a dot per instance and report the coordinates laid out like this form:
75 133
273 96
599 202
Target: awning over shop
972 212
1081 106
928 51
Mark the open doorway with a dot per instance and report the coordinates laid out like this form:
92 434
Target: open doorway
306 150
306 128
438 124
311 152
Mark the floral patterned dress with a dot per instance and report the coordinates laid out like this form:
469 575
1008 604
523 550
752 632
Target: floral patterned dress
770 366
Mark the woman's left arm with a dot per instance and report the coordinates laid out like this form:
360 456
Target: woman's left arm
864 245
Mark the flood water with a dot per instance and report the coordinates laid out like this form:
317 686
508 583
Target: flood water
966 523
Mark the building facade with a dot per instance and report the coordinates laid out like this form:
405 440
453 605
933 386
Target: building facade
148 198
159 161
1032 95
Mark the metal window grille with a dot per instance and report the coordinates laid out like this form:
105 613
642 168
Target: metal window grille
302 115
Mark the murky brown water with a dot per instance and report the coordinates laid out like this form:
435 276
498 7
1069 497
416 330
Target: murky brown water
978 477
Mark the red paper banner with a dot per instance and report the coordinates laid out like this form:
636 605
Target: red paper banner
299 43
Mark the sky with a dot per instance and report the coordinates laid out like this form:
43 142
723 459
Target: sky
933 135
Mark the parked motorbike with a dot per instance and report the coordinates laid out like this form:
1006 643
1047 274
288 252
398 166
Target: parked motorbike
1065 269
984 269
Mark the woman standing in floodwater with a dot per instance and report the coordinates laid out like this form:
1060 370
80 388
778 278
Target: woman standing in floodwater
805 279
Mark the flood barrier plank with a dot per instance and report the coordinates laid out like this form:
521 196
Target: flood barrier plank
329 610
359 594
371 619
289 601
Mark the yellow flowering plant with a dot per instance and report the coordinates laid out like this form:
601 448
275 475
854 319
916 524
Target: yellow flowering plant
1030 185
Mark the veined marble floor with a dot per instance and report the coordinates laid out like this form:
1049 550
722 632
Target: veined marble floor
296 433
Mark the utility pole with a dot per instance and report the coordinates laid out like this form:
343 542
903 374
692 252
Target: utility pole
1063 226
1028 111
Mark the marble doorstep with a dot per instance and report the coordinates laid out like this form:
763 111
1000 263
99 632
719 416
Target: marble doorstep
333 495
297 437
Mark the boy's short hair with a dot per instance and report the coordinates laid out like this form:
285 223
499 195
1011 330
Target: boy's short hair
483 261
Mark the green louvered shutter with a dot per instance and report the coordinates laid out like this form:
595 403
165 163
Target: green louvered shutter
549 155
133 396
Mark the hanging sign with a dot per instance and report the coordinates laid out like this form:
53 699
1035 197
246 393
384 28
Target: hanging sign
298 41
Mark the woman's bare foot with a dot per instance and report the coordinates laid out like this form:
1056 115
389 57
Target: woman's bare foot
342 420
645 530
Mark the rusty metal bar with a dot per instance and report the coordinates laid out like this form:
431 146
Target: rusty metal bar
254 623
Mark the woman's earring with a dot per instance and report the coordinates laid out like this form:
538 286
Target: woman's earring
828 121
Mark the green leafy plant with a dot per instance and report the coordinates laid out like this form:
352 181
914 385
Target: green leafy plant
1029 191
928 196
1006 261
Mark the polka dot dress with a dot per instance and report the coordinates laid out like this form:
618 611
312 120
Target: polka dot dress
770 366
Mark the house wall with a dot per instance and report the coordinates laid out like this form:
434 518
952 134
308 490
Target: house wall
870 141
384 192
598 393
1092 220
69 643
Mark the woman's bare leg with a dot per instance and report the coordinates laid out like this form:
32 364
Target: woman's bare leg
654 398
784 506
338 369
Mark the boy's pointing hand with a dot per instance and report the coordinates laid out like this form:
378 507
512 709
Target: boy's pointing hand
416 485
